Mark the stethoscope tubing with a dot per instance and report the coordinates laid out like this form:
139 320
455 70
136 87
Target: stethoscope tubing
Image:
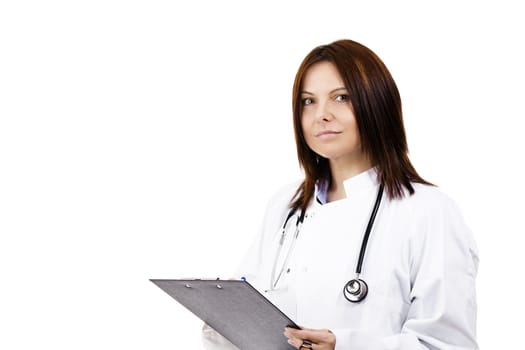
369 226
364 243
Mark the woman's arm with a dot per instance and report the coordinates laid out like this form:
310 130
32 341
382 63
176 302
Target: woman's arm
443 262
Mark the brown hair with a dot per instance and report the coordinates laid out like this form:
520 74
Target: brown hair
377 107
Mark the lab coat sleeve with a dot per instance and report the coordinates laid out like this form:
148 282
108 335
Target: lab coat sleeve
443 262
213 340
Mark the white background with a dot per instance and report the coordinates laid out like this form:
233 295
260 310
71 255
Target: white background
142 139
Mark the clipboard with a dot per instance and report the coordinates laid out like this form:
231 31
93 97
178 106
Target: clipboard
235 309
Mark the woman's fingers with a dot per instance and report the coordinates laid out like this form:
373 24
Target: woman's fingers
321 339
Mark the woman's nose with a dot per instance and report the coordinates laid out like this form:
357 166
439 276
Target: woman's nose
323 112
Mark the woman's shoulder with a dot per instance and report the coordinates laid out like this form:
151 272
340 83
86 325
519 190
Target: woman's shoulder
428 196
278 204
435 214
431 204
284 193
427 204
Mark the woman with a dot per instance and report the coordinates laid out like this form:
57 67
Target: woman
361 194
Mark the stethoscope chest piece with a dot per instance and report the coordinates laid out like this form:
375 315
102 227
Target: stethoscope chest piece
355 290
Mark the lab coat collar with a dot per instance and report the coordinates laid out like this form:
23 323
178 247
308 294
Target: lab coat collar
353 185
361 182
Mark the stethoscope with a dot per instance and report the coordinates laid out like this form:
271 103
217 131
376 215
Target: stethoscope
354 290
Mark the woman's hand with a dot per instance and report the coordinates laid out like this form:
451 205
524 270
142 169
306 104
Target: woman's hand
320 339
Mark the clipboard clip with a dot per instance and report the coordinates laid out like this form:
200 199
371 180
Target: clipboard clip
187 285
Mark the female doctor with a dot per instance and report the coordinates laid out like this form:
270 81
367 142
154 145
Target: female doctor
363 253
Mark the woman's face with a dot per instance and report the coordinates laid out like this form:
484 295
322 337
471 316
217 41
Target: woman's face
328 120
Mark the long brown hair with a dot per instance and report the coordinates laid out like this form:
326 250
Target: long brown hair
377 107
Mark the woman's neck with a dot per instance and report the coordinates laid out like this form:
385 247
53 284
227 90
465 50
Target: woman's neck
341 172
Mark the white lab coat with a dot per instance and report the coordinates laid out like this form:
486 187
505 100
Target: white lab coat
420 267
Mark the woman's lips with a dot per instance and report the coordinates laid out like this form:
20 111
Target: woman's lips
326 134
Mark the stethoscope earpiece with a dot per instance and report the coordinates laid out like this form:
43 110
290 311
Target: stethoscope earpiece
355 290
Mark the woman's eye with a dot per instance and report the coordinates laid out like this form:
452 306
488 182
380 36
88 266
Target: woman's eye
341 98
307 101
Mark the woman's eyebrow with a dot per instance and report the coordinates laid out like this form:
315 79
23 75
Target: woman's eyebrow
331 92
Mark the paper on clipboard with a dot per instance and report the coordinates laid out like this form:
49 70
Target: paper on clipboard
235 309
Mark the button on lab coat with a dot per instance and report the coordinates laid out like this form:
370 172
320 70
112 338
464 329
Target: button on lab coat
420 267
